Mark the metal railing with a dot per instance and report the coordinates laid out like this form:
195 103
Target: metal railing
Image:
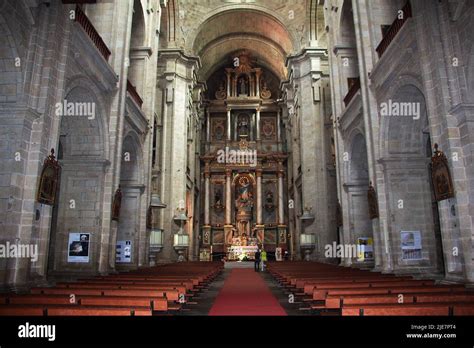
394 29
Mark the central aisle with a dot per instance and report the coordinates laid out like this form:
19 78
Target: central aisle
245 293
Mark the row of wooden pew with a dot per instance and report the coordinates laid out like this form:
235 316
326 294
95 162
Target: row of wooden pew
152 291
333 290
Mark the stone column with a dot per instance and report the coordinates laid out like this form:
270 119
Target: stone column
228 84
279 141
206 229
281 211
207 177
228 197
259 196
229 118
175 94
260 227
228 207
259 72
208 125
317 183
257 124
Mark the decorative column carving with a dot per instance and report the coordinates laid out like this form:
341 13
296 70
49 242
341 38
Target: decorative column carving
282 230
206 229
229 89
279 141
228 233
207 178
259 196
257 126
259 227
258 73
229 124
228 196
208 125
281 212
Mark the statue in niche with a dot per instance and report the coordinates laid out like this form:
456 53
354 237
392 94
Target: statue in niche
221 93
269 204
117 204
243 87
265 93
243 126
441 176
218 206
49 180
245 195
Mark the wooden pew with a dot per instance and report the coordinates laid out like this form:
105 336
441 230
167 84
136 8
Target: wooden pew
320 294
10 311
414 309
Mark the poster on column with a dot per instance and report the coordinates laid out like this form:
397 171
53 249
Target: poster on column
78 247
365 249
411 245
278 254
124 251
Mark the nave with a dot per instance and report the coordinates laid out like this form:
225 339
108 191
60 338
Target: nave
285 288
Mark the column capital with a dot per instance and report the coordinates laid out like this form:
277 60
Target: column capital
229 109
259 172
228 172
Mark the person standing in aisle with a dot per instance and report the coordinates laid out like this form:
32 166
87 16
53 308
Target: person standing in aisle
257 261
263 257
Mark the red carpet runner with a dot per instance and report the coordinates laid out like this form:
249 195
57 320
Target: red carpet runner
245 293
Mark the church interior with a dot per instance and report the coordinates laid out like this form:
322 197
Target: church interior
236 158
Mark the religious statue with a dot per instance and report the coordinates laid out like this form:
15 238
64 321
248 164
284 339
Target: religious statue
49 180
221 93
243 126
269 205
245 196
265 93
116 204
243 86
441 176
218 206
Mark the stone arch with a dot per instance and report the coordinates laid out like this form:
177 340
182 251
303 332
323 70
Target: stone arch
357 182
83 159
358 165
131 170
263 30
10 89
346 32
138 37
229 9
132 185
400 135
93 94
406 169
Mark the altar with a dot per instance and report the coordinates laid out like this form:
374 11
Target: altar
242 249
